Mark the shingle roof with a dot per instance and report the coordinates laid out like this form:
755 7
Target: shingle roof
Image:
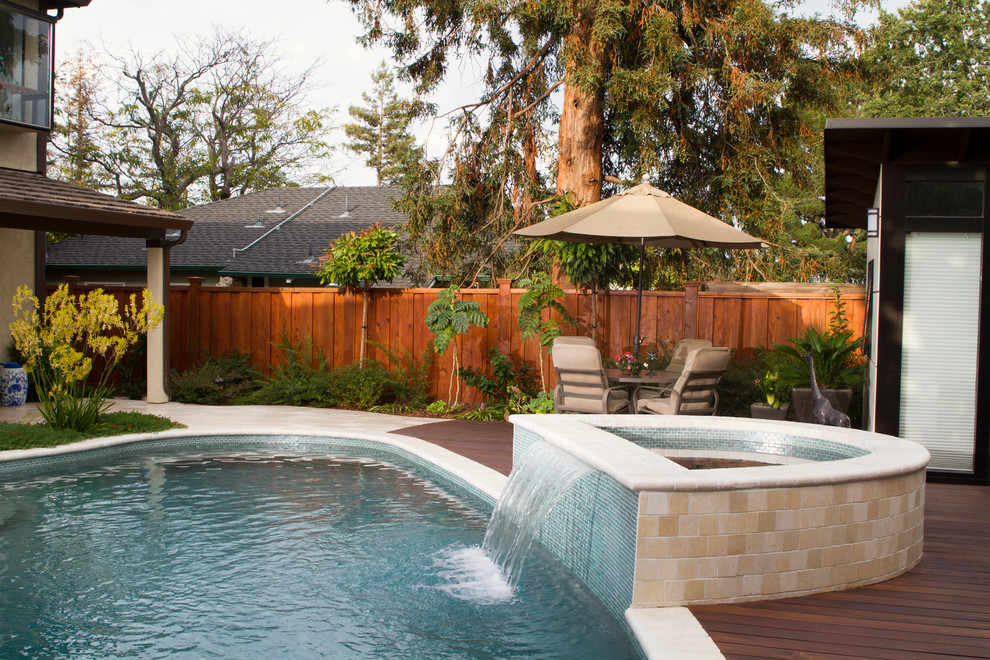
227 237
33 201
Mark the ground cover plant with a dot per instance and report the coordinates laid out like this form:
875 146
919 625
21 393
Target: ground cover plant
29 436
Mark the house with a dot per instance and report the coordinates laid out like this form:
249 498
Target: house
31 204
919 188
265 238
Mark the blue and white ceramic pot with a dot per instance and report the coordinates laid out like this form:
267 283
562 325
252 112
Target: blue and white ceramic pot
13 384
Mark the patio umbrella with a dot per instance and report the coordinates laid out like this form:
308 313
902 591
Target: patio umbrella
644 216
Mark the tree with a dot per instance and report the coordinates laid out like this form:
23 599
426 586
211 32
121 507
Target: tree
381 128
73 132
448 318
930 59
358 261
717 101
216 118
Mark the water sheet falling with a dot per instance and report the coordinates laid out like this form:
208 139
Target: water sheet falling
543 475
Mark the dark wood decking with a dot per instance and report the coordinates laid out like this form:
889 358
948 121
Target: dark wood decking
488 443
941 609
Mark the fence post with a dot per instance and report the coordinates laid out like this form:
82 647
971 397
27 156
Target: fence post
192 327
504 306
71 280
691 309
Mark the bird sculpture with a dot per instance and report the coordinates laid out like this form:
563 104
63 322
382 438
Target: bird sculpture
822 411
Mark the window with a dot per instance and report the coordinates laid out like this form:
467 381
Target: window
944 199
25 68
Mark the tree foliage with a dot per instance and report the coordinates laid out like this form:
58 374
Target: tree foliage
930 59
381 128
721 104
360 260
218 117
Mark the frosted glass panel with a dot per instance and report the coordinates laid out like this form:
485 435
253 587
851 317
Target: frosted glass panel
941 329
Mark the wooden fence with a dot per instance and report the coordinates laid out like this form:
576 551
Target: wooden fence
216 320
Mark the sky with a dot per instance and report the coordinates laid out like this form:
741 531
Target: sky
308 31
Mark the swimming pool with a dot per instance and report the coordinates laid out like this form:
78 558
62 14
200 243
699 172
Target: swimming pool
181 548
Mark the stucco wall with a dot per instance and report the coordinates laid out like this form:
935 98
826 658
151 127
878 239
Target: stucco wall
18 149
17 255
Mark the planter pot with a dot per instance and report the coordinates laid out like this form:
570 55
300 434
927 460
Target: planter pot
804 402
757 411
13 384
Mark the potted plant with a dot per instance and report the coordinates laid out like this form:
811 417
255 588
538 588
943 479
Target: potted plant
837 369
770 406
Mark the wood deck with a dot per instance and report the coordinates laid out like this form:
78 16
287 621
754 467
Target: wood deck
941 609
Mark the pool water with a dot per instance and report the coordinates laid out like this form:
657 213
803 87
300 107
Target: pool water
259 555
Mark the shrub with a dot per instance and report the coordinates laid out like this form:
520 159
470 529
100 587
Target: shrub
217 380
506 373
412 379
60 341
354 387
295 382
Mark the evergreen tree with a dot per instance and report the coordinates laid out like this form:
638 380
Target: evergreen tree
721 104
381 129
72 137
931 59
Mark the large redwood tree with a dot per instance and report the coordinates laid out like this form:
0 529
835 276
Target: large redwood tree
718 102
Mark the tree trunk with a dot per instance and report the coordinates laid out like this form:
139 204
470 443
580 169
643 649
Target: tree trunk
582 119
364 327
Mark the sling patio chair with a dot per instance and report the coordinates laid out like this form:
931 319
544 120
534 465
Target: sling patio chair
694 391
581 383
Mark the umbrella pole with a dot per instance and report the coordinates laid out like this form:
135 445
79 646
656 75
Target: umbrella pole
637 340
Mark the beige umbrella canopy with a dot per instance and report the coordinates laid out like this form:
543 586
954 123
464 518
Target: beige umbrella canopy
644 216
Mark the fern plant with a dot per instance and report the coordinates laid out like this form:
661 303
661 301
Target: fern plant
449 318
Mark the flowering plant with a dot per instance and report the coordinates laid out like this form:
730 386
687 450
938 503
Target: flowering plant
60 341
626 362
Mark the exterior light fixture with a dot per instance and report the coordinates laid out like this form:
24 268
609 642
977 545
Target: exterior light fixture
872 223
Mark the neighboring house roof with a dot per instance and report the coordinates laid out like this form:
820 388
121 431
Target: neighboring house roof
33 201
240 236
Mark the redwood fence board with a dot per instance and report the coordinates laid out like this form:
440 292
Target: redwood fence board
215 320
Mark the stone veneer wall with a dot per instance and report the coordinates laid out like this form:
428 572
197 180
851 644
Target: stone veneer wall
717 547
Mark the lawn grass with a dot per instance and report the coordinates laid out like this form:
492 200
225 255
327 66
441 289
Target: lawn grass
28 436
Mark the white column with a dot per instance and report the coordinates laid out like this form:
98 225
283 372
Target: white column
156 337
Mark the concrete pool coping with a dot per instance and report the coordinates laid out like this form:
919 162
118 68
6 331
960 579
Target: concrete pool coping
640 469
671 633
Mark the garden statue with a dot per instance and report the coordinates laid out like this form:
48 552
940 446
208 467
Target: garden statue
823 412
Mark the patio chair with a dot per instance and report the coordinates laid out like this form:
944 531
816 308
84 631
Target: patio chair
694 392
579 340
581 383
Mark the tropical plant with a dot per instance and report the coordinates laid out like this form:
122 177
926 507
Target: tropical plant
835 355
770 387
59 344
542 295
357 261
448 318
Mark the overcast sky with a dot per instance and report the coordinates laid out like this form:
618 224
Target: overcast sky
308 30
